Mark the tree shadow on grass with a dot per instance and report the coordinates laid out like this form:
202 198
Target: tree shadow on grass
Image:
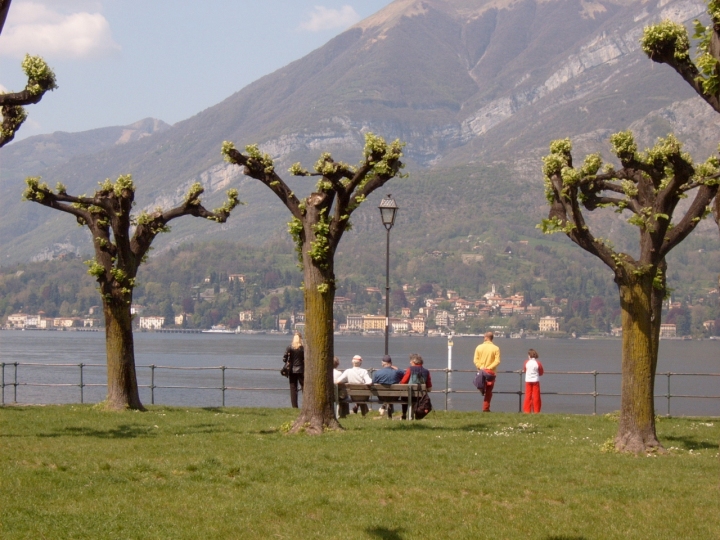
208 428
385 533
240 411
691 443
564 537
127 431
124 431
419 425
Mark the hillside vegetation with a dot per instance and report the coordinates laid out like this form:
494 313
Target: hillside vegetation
444 215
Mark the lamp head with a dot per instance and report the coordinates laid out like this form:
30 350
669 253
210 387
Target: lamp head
388 209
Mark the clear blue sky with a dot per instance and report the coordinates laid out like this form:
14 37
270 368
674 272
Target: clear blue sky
118 61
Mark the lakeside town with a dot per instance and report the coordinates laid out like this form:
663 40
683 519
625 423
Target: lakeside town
444 314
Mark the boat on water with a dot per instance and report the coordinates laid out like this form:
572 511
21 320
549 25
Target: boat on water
219 329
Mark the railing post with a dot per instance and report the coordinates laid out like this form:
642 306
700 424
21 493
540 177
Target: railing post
668 394
447 387
15 383
595 394
2 383
520 393
223 368
152 384
82 384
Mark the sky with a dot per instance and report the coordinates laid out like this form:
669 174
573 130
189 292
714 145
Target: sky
119 61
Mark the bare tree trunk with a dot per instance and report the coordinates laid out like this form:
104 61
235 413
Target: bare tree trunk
641 335
317 413
122 389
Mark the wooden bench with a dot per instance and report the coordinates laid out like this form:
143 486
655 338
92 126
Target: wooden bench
404 394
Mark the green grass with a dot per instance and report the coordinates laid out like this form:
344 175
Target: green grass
78 472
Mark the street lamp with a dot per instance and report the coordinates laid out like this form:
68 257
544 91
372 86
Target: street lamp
388 209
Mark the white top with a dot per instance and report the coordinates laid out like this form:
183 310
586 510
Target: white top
532 370
356 375
338 376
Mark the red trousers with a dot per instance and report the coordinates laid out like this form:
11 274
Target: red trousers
488 395
532 403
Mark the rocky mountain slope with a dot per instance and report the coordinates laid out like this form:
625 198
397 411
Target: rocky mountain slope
461 81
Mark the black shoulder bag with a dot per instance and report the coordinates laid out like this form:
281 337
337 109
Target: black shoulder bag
423 405
285 371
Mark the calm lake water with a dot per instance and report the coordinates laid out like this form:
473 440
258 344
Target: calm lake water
259 384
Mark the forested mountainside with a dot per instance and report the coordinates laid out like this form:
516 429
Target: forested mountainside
195 279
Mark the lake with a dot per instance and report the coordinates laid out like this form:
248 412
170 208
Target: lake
253 363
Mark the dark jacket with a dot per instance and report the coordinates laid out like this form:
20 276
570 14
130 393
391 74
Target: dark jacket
387 375
296 357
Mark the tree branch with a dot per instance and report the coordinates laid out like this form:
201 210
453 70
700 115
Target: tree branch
690 220
4 8
41 193
24 97
578 231
150 225
40 79
265 172
668 43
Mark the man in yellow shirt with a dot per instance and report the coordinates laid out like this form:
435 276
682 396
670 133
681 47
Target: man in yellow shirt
487 358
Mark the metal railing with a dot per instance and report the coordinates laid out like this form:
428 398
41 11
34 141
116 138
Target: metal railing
594 394
10 371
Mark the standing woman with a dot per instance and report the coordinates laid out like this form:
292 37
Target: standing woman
295 355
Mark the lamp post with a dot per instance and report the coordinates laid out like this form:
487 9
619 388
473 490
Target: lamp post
388 209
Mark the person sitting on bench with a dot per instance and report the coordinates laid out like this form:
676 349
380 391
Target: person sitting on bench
338 377
357 375
388 374
416 374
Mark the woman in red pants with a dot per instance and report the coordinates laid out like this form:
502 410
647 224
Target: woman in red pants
533 369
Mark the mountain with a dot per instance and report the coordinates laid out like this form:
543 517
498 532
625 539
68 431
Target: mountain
43 151
481 82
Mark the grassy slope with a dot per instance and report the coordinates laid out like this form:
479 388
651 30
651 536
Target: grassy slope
76 472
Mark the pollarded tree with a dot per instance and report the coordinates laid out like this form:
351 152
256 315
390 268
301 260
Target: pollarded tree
119 251
649 186
668 43
40 79
317 225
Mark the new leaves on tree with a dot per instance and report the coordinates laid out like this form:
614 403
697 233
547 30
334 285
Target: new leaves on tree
317 223
108 216
340 189
40 79
122 242
649 186
668 43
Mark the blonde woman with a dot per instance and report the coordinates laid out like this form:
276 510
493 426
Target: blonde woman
295 355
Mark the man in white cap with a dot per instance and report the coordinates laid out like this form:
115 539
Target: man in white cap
357 375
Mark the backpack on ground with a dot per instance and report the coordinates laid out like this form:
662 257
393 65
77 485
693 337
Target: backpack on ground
422 407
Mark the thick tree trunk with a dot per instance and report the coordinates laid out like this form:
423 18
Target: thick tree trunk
317 414
122 388
641 335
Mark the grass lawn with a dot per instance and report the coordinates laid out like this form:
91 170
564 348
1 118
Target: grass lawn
78 472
